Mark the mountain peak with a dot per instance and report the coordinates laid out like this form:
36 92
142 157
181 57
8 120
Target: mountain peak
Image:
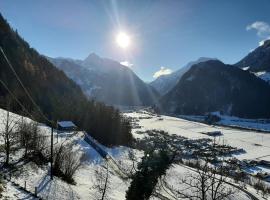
257 60
266 43
92 56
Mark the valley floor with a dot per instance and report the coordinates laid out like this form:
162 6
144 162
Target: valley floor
256 144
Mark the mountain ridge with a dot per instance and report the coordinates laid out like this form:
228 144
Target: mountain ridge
108 81
165 83
216 86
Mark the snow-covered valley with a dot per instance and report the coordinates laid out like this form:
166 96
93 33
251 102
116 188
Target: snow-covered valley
255 144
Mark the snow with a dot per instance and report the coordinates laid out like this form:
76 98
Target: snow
178 172
12 192
264 75
57 189
253 124
85 177
256 144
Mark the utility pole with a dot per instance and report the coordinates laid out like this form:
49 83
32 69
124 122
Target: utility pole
52 152
57 130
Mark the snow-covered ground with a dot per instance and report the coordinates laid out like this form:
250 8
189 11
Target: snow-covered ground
264 75
175 174
256 144
85 178
253 124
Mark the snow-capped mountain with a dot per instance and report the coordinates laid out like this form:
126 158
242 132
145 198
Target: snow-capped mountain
258 61
107 81
214 86
264 76
165 83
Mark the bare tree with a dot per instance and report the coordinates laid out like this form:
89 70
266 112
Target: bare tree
102 183
9 135
31 138
204 183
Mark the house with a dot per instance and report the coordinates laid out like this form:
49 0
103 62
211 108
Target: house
66 126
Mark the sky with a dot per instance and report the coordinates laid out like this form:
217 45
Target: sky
164 34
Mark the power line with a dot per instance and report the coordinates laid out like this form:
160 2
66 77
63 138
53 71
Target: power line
23 107
26 91
35 104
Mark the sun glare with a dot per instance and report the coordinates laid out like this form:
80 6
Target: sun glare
123 40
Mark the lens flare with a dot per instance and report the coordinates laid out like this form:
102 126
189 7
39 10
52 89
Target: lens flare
122 40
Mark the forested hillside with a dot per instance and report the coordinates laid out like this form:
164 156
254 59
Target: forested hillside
214 86
58 97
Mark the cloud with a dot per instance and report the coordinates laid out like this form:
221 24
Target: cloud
162 71
262 28
126 63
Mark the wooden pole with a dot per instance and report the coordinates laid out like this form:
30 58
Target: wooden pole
57 130
52 153
35 191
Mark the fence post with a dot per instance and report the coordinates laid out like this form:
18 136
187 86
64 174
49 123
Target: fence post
25 185
9 176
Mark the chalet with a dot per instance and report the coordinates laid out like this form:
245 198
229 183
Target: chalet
66 126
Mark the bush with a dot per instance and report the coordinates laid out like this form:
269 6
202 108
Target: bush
66 162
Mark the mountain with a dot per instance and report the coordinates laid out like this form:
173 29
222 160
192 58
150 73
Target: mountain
213 86
258 61
57 96
165 83
107 81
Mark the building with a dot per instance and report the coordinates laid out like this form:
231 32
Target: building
66 126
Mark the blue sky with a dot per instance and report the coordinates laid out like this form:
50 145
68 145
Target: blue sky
165 33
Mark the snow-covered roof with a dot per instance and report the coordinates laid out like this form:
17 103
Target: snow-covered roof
66 124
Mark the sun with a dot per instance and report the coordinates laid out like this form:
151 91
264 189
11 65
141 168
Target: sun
123 40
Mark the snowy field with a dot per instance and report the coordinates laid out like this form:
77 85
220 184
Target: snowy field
256 144
252 124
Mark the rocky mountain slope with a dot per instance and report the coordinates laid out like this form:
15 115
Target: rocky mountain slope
107 81
258 61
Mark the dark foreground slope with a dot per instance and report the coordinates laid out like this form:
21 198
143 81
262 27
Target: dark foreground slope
213 86
57 95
